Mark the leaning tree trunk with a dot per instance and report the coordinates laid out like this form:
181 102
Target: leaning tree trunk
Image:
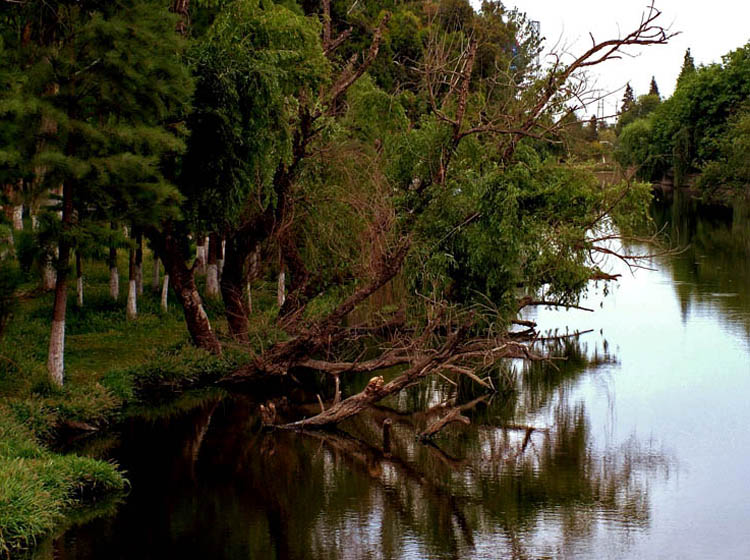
79 280
114 274
212 272
56 355
232 289
131 311
182 279
165 293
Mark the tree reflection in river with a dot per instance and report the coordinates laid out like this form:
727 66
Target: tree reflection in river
714 270
523 480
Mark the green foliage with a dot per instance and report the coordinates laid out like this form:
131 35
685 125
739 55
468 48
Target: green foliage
693 130
249 64
529 232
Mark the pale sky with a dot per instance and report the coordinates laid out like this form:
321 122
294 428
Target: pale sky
711 29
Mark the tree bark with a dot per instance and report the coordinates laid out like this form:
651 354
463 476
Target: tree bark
56 354
182 279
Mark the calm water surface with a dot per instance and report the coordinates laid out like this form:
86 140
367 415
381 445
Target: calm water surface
636 446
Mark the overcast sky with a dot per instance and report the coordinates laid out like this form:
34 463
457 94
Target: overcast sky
710 28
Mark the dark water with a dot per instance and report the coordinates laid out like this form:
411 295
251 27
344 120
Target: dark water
635 446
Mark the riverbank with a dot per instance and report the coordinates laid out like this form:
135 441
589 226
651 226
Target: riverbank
113 367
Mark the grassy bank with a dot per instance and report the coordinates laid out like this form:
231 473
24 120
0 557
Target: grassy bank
111 366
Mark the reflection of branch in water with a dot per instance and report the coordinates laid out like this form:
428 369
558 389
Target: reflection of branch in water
375 461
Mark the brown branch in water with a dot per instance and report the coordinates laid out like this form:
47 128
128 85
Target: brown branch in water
529 302
377 389
454 415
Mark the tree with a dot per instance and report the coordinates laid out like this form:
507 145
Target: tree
108 77
653 88
628 100
688 67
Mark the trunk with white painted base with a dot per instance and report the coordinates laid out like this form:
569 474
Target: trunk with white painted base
164 293
212 272
18 217
49 276
220 258
131 311
56 355
200 255
281 288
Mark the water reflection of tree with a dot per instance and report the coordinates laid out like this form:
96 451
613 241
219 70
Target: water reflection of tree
715 267
524 470
523 480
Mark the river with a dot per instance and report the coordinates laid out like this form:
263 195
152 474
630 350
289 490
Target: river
634 446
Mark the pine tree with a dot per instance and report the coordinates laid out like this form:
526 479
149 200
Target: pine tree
107 75
654 89
628 100
688 67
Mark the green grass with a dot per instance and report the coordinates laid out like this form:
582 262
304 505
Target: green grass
38 486
113 368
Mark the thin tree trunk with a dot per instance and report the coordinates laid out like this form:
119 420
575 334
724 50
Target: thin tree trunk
49 274
220 257
281 287
79 280
155 274
212 274
56 355
165 293
131 311
200 255
18 217
139 262
114 274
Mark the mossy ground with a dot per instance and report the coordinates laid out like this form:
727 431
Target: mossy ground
110 365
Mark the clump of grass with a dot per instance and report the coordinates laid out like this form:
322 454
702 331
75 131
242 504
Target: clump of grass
37 486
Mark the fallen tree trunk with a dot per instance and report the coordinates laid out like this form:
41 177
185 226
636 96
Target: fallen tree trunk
377 389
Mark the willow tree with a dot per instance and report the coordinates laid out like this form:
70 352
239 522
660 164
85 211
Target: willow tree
109 76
